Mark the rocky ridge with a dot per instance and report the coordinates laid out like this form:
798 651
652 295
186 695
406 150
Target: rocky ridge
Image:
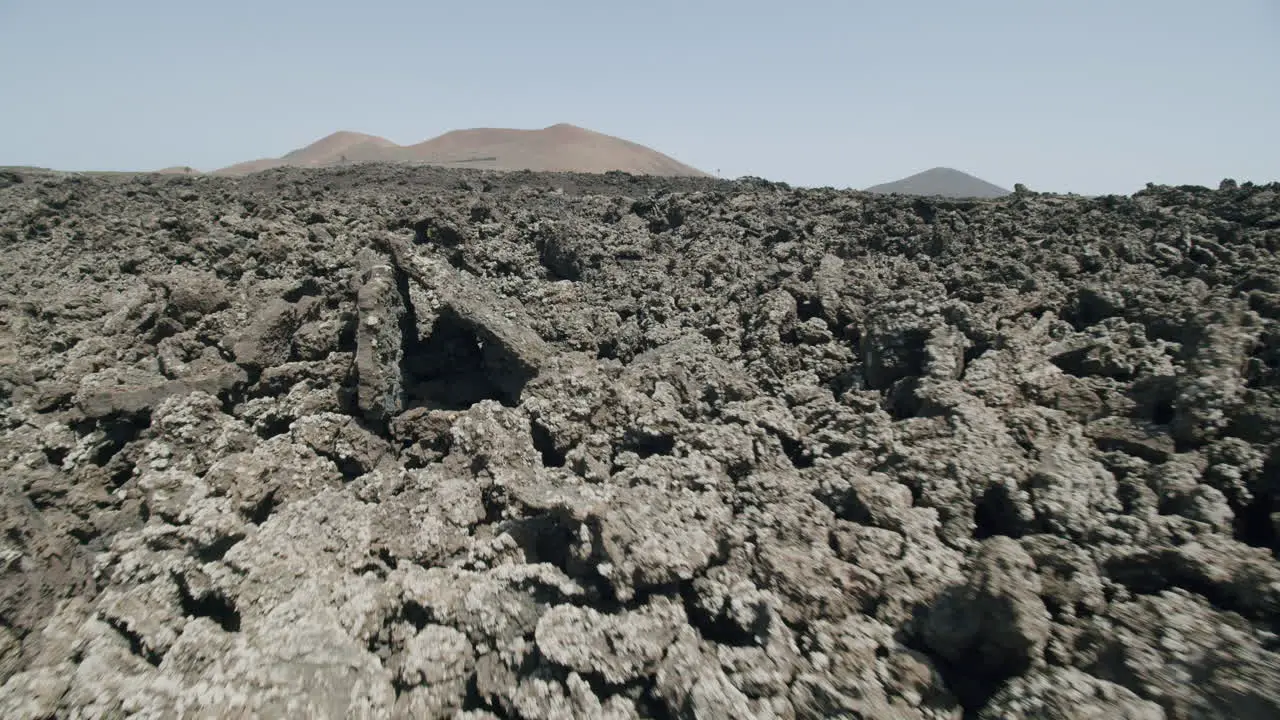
406 442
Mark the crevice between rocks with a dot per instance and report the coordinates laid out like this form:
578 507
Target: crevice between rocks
211 604
218 549
136 644
452 369
264 508
713 629
1255 526
545 444
996 513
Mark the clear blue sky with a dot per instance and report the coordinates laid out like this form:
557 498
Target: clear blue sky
1090 96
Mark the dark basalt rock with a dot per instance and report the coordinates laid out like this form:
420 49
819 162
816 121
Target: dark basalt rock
388 441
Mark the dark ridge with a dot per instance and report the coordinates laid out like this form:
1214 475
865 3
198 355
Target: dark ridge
410 342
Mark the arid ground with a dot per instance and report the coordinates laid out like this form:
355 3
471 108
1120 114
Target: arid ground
386 441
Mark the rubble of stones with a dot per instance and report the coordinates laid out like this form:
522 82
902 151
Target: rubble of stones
406 442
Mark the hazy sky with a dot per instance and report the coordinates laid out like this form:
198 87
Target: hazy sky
1087 96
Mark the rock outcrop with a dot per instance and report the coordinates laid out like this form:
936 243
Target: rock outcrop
403 442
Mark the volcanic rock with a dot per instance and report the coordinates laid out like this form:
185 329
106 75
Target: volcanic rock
391 441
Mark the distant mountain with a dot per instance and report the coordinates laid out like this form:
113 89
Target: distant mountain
340 147
335 147
941 182
559 148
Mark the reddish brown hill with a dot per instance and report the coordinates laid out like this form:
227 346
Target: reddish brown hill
335 148
556 148
559 148
250 166
342 146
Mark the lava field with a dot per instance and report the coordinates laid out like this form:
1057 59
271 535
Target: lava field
385 441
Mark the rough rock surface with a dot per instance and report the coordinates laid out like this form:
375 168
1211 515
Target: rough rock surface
406 442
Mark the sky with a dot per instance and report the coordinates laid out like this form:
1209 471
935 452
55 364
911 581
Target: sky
1086 96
